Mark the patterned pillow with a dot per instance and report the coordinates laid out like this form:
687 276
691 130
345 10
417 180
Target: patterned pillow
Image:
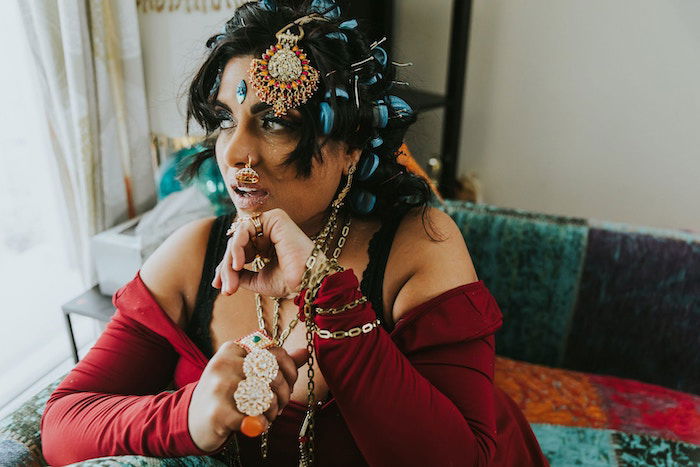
20 440
142 461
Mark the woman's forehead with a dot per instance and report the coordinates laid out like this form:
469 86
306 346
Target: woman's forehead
237 67
236 70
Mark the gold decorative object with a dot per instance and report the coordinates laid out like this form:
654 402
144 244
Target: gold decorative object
283 77
352 332
247 174
255 340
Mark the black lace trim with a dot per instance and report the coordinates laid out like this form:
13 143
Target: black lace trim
198 327
371 284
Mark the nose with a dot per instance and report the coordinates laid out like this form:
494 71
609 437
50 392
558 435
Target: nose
240 148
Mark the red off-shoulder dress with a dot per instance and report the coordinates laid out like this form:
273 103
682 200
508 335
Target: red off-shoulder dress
420 395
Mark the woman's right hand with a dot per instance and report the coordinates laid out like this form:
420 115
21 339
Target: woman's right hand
213 415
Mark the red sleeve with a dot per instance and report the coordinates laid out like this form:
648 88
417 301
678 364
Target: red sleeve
433 405
113 401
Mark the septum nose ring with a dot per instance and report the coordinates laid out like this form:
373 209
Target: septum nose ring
247 174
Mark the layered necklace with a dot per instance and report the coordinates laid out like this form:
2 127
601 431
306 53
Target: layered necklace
323 238
257 265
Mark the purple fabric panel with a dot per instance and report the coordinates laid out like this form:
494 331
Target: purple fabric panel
638 310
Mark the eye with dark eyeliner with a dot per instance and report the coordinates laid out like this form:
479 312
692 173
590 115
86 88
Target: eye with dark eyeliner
288 124
224 120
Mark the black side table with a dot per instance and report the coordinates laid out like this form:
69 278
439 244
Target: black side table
90 303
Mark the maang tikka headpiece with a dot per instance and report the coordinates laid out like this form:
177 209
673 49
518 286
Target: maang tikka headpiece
283 77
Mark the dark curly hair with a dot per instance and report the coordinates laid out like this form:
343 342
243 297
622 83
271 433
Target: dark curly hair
332 50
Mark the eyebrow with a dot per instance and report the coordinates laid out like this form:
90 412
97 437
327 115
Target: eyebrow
255 109
259 107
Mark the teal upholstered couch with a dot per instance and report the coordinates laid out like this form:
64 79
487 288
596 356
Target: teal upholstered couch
581 299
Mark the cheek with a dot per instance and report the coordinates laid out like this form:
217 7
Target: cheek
309 196
218 151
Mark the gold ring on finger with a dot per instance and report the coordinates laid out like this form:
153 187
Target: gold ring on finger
255 218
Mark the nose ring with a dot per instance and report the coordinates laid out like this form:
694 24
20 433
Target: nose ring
247 174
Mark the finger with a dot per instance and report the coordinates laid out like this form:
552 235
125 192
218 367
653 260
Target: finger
265 421
231 353
299 357
280 386
246 245
274 409
237 245
229 279
216 283
286 364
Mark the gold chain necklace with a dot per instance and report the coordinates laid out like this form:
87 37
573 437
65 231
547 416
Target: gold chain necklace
276 314
276 310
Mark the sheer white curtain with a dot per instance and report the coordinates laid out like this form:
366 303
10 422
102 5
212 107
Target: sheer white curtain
76 160
89 64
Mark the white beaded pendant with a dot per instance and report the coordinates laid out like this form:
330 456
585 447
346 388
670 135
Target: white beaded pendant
253 396
260 364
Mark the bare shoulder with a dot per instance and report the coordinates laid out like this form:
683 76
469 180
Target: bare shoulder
170 271
434 258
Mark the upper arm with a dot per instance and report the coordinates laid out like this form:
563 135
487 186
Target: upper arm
433 265
177 264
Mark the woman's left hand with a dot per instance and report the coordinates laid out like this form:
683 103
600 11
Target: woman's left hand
287 246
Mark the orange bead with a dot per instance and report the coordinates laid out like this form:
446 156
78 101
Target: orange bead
252 426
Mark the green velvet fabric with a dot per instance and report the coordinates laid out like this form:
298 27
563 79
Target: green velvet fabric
531 263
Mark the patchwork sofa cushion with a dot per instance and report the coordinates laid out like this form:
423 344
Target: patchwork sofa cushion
565 446
589 419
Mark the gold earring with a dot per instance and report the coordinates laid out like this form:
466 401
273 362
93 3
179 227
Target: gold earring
343 193
247 174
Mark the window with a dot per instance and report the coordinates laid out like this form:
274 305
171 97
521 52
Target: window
35 275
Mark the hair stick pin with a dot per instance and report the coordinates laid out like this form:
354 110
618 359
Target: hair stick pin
357 93
376 43
361 62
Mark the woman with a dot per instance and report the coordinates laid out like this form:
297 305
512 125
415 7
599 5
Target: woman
275 357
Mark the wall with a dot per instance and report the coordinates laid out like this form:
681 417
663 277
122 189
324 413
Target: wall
173 48
578 108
